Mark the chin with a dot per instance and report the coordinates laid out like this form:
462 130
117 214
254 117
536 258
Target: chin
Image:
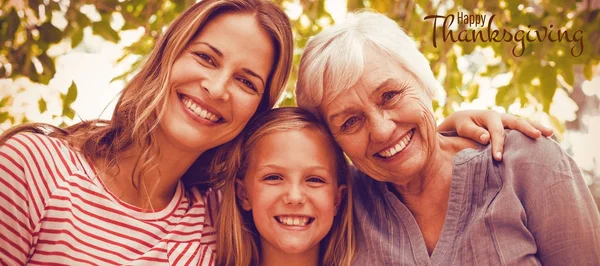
294 248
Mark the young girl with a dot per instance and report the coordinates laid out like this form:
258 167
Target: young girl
286 195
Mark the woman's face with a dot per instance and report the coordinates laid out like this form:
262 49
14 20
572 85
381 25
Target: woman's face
384 122
291 188
217 83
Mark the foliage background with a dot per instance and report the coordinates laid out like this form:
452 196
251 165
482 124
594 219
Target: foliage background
47 44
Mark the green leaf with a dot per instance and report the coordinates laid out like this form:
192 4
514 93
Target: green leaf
49 33
71 94
103 29
587 71
82 20
42 105
4 101
76 38
48 68
3 116
505 96
567 74
68 112
548 86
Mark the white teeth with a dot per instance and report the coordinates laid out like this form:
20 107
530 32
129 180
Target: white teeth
295 221
192 106
398 147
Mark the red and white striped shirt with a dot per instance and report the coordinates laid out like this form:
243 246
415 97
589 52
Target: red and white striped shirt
55 211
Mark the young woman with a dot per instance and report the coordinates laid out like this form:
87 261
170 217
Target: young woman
286 194
111 192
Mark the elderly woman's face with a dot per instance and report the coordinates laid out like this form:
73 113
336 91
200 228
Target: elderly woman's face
384 122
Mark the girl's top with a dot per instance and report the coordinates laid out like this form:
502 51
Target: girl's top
54 210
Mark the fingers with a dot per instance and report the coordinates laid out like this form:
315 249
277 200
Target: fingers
474 132
546 131
522 125
529 128
496 130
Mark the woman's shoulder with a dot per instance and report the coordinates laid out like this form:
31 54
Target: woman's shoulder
519 148
30 143
536 161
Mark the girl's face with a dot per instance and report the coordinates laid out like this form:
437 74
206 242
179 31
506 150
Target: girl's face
291 188
217 83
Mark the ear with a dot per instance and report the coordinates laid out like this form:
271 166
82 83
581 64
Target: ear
242 194
340 196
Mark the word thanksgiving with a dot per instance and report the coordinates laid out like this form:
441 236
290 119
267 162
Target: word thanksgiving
503 35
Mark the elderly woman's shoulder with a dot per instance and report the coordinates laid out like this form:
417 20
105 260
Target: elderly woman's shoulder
515 140
543 152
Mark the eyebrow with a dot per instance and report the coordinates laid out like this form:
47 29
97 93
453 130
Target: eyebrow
383 85
245 70
251 73
212 48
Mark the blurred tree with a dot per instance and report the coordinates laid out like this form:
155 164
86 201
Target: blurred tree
27 32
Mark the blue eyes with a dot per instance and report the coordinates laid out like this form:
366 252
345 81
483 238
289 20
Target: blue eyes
387 101
315 179
272 178
350 122
388 96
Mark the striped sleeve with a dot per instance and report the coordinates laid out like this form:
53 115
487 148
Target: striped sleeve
30 167
16 202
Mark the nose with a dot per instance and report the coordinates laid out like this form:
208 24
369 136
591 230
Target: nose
294 195
217 86
381 127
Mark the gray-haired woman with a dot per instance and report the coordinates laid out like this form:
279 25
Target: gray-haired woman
426 198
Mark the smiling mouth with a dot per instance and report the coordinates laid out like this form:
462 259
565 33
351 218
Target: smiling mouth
198 110
398 147
294 220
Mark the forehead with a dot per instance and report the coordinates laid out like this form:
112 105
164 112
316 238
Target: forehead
241 39
294 148
379 72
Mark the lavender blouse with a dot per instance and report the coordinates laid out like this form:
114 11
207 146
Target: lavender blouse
533 208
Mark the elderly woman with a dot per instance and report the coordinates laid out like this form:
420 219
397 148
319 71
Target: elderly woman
425 198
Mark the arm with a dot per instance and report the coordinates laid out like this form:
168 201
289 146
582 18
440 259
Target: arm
479 124
15 222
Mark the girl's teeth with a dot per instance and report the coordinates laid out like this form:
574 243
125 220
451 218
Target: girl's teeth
295 221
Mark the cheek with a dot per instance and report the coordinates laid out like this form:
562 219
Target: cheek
245 105
325 201
182 71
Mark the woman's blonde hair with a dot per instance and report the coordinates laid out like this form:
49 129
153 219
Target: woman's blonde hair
142 102
238 241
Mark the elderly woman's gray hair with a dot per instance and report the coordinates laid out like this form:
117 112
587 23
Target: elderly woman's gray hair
333 60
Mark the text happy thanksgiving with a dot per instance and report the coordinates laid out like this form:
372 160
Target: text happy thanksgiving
502 35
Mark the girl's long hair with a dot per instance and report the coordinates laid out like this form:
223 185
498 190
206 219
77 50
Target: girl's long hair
237 238
142 102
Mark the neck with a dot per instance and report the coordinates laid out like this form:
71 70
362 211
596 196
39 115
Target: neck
270 257
431 188
153 190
